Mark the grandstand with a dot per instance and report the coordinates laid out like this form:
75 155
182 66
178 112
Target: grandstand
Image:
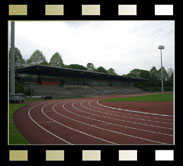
64 82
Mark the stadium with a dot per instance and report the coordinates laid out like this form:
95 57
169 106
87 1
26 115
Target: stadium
83 107
64 82
89 108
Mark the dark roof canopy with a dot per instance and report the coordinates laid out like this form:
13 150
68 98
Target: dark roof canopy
61 71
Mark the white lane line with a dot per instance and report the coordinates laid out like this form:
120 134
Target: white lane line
123 116
81 132
29 114
124 113
150 131
100 124
46 122
144 124
111 131
139 112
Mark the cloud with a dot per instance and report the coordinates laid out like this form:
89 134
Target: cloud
122 45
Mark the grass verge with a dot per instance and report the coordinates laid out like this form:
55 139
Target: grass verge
14 135
164 97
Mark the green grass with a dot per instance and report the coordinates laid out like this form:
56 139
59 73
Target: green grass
146 98
14 135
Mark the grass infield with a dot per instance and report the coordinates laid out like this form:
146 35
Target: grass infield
14 135
164 97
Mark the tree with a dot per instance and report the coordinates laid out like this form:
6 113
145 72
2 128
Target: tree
153 73
56 60
18 87
154 77
90 67
134 73
37 58
165 74
170 74
170 81
170 71
111 71
139 73
19 61
77 66
101 69
44 63
145 74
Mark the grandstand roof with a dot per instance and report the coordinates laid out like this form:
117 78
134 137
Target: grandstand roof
61 71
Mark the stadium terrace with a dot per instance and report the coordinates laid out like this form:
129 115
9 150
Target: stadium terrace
59 81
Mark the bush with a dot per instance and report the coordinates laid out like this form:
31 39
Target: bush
18 87
156 89
27 92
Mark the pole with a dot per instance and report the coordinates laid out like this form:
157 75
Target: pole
12 60
162 88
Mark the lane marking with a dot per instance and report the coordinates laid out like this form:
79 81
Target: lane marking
128 135
114 123
129 117
81 132
124 113
70 118
133 110
135 122
29 114
46 122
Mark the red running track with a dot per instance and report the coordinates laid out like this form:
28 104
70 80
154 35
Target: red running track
87 121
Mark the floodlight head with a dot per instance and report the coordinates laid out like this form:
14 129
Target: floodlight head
161 47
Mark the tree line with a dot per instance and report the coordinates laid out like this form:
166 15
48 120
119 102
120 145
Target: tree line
37 58
153 76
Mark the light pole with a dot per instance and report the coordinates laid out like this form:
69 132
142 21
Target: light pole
12 60
161 47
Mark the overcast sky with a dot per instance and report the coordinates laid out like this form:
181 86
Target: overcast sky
122 45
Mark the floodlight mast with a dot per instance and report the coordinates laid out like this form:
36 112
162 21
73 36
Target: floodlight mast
161 47
12 60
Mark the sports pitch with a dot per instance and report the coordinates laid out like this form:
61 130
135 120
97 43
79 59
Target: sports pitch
164 97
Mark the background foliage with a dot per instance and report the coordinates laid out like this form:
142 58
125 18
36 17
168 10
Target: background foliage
153 76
